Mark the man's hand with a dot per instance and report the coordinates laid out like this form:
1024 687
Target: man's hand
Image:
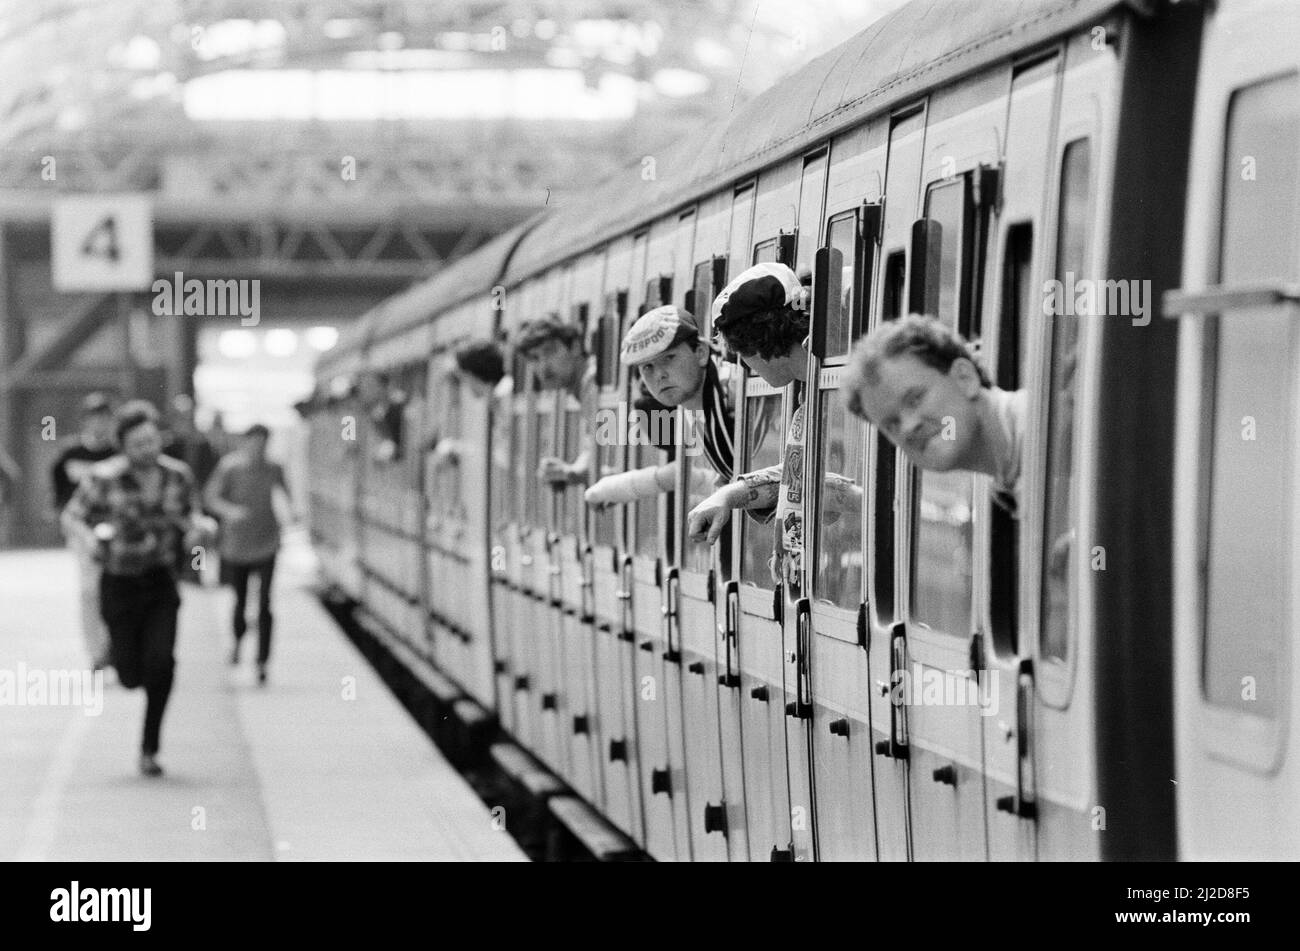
706 521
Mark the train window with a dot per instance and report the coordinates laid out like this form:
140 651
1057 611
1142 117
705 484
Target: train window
765 425
702 286
742 221
842 235
1253 358
604 520
647 510
941 551
882 581
895 286
574 506
838 571
765 251
946 205
1059 541
1004 537
812 194
700 484
500 497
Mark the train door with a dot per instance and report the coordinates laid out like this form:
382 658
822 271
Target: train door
673 670
1237 543
886 637
651 540
1052 700
576 620
836 606
639 546
794 613
1010 304
695 614
546 598
761 423
731 699
947 696
613 677
503 516
530 635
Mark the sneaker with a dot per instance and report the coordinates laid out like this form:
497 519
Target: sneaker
149 765
261 673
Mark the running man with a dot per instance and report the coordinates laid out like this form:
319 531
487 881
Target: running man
140 508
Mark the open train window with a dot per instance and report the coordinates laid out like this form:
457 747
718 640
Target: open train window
942 531
1004 539
1252 358
1059 537
948 205
895 286
841 324
764 434
837 575
882 580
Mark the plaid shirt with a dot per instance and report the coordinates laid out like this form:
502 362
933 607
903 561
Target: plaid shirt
148 532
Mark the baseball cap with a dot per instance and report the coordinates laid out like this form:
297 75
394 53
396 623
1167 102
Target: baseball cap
655 331
762 287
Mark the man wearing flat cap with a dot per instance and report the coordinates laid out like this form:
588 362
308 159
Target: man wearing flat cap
679 370
762 316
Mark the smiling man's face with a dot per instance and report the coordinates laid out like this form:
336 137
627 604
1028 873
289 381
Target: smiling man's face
930 415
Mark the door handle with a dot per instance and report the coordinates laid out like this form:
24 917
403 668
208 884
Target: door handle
731 626
661 782
672 594
1024 803
715 818
896 746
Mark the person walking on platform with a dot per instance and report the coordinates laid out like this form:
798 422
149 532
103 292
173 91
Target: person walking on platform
241 493
93 444
140 507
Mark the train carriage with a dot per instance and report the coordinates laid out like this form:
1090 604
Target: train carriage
936 679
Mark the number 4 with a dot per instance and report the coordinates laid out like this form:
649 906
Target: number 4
102 240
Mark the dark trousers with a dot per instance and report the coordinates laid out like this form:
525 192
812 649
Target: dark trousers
140 613
239 575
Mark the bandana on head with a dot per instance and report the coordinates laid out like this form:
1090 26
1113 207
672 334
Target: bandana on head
762 287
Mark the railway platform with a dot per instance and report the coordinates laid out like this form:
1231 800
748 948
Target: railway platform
320 764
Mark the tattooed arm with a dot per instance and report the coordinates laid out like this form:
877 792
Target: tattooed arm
756 492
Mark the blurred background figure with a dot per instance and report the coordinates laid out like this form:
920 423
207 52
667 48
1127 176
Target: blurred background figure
10 475
94 443
241 492
185 442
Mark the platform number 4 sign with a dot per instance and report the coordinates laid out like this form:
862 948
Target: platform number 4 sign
102 243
